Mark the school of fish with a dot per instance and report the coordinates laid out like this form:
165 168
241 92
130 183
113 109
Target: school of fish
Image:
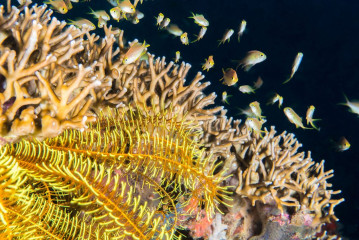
126 10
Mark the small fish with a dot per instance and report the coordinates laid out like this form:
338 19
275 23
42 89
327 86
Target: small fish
201 34
178 56
100 14
101 22
116 13
242 28
342 145
353 106
174 30
246 89
257 84
309 117
225 97
68 4
229 77
58 5
159 19
294 118
255 125
256 109
200 20
226 37
252 58
126 6
165 23
82 22
248 112
277 98
184 38
135 52
208 64
295 66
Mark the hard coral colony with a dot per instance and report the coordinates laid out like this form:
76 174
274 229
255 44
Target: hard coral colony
96 149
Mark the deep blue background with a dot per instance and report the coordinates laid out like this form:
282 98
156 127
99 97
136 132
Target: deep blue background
326 31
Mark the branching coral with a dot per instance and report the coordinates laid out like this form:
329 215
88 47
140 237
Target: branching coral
132 151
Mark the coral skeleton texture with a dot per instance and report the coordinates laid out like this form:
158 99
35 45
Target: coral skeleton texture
92 148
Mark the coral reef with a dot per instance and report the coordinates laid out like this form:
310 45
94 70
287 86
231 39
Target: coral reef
129 151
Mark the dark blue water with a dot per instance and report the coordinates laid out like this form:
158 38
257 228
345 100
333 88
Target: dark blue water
326 31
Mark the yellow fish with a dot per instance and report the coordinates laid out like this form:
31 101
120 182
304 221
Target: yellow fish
277 98
135 51
101 23
229 77
295 66
174 30
353 106
165 23
252 58
342 145
116 13
201 34
246 89
256 109
126 6
255 125
178 56
294 118
227 36
82 22
241 30
200 20
184 38
159 19
309 117
225 97
100 14
68 4
208 64
58 5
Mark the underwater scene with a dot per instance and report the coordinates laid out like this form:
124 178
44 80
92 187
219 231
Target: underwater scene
179 119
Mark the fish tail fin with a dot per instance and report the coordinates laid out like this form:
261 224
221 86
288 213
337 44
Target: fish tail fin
196 39
313 125
145 45
91 11
226 101
287 80
346 101
70 22
220 42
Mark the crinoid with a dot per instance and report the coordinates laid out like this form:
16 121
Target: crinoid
124 177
